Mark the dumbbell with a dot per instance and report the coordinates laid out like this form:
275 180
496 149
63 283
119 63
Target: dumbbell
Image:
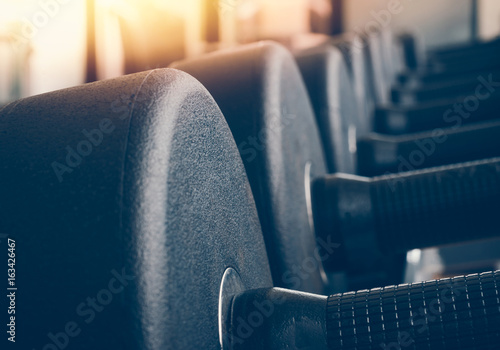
396 120
379 154
414 51
479 106
395 213
466 65
256 86
152 239
332 96
454 88
263 98
341 93
341 96
407 154
324 73
126 201
422 65
336 90
462 66
452 82
384 59
345 128
379 70
458 313
444 88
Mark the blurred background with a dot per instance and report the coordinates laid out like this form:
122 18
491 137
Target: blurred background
52 44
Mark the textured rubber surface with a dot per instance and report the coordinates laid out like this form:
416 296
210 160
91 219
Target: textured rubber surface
359 59
333 98
447 314
437 206
144 225
262 95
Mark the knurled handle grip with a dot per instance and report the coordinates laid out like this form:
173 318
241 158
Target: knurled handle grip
457 313
437 206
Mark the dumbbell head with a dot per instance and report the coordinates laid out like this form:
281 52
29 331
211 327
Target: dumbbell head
127 201
378 68
333 99
355 50
346 211
357 56
336 73
342 112
260 92
393 54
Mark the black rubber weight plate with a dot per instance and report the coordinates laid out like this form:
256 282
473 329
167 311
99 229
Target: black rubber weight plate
332 95
127 248
261 93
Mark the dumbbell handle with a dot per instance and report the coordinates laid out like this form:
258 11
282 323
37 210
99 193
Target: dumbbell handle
456 313
380 154
401 212
400 120
458 89
452 65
